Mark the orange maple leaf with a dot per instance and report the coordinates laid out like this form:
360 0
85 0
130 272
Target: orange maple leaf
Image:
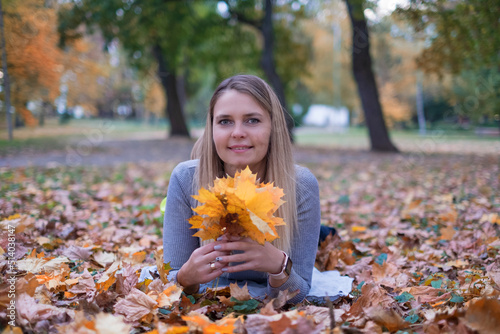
239 206
201 323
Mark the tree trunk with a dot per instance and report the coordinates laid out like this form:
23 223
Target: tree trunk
173 111
269 66
6 81
365 79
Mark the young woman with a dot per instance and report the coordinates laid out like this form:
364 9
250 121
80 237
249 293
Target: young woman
245 127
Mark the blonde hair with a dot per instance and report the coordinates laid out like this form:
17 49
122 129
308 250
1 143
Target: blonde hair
279 159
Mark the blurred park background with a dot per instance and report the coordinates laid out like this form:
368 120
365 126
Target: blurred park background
427 72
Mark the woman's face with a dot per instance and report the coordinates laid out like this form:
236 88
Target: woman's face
241 132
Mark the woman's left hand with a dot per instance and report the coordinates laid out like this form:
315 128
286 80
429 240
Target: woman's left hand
254 256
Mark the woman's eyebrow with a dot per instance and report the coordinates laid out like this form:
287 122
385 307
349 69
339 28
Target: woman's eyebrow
251 114
222 116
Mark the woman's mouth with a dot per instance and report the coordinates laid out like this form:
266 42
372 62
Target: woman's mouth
239 148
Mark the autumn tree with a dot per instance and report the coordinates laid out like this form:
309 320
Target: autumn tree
33 58
87 75
365 79
152 31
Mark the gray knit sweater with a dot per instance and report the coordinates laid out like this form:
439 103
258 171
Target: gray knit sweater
179 243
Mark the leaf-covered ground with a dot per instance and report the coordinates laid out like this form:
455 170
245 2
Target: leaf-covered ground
420 236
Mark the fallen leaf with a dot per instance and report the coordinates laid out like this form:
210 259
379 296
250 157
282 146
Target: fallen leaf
447 233
238 293
483 315
136 305
169 295
386 317
31 312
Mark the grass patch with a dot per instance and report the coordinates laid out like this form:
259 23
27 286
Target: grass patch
453 141
30 145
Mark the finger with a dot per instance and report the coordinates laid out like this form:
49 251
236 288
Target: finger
206 249
229 237
215 269
237 268
239 257
233 246
232 237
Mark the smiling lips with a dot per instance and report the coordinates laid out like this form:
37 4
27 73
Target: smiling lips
239 148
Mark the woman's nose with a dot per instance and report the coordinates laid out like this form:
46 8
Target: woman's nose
238 131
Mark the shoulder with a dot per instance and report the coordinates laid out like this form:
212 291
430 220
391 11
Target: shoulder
188 166
185 170
305 178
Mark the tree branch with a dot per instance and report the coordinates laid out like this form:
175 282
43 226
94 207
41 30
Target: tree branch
243 18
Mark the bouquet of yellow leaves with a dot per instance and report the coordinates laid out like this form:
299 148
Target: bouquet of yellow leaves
238 206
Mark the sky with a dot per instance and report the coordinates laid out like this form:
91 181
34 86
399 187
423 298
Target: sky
387 6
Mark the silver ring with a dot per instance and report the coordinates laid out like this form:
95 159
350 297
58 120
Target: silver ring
212 266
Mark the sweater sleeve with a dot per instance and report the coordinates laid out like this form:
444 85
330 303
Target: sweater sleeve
178 240
305 241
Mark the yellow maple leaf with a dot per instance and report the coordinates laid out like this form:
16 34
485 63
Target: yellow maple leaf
239 206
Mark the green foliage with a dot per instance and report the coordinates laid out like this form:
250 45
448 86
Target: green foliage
456 298
404 297
437 284
477 94
381 258
412 318
198 43
461 34
246 306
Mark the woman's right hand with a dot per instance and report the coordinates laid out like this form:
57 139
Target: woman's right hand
202 266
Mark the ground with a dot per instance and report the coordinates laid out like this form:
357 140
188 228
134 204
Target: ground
418 231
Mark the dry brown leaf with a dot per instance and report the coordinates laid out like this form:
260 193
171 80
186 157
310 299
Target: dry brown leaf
27 284
483 315
86 284
447 233
238 293
268 309
386 317
283 297
385 273
371 295
427 294
104 258
101 323
126 280
160 265
31 312
37 265
136 306
77 253
227 301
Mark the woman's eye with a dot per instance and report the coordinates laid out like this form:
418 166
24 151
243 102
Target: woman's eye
253 121
224 122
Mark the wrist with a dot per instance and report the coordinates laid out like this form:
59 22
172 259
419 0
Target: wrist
278 264
187 287
286 268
